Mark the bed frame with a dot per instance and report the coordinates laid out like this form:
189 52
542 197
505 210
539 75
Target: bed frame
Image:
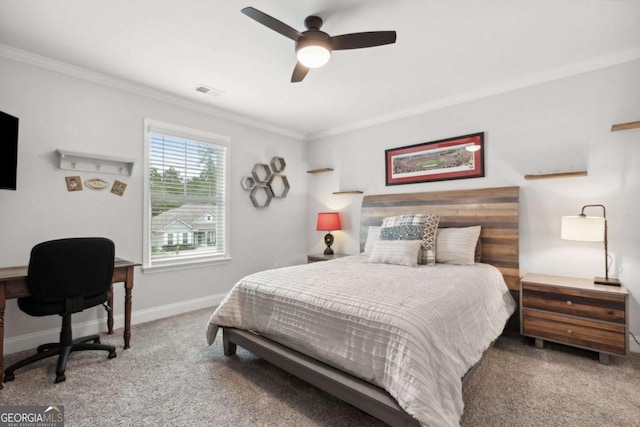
495 209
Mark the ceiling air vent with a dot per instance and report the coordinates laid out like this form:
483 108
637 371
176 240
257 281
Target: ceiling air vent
209 90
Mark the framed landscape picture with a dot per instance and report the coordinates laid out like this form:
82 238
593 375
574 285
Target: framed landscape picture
451 158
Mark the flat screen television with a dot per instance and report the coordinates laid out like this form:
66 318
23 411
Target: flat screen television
8 151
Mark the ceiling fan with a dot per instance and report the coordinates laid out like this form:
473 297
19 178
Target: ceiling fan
314 47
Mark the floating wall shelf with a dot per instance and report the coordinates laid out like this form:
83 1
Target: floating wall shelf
320 170
556 175
75 161
348 192
625 126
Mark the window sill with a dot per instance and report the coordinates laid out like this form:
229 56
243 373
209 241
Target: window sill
183 265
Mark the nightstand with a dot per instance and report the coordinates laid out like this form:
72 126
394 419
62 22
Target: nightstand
323 257
576 312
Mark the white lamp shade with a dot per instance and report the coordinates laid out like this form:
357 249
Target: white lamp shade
583 228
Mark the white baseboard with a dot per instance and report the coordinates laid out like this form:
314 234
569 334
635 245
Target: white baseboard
33 340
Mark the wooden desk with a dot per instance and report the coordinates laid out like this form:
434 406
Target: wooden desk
13 284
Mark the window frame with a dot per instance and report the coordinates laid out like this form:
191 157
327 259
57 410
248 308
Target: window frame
155 126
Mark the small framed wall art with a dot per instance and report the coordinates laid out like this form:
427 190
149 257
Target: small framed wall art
74 183
118 188
452 158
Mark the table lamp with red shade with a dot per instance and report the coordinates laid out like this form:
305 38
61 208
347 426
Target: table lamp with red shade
328 221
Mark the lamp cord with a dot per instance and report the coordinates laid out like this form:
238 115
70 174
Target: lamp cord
634 338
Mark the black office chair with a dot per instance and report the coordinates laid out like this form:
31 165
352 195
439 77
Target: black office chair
67 276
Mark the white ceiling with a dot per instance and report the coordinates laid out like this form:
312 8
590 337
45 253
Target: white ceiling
447 51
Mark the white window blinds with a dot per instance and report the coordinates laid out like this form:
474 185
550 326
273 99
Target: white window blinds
187 196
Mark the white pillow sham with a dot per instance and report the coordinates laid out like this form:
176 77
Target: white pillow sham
399 252
457 245
373 235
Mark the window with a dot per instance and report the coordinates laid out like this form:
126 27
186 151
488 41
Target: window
186 196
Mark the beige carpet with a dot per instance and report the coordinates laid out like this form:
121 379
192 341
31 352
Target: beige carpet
170 377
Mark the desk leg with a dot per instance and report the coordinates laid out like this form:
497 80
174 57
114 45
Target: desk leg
3 303
110 312
128 286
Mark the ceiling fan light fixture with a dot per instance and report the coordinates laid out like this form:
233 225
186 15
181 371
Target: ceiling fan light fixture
314 47
313 53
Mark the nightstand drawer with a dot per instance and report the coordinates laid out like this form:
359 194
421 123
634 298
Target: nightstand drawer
580 332
575 302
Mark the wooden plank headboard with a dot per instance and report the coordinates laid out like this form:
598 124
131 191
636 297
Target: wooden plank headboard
495 209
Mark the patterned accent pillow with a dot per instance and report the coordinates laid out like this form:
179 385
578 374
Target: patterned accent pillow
399 252
403 227
413 227
429 239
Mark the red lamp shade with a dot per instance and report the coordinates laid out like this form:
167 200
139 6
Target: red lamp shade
328 221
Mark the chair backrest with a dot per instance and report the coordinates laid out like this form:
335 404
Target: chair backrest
70 268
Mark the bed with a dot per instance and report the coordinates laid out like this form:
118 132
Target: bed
373 334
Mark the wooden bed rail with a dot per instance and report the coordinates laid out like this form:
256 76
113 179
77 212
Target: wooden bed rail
364 396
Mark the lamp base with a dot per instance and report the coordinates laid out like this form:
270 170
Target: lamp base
328 240
605 281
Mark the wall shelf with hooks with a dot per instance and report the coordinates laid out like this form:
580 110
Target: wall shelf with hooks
555 175
85 162
348 192
625 126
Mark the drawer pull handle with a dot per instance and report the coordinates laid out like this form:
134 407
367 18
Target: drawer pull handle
569 331
569 302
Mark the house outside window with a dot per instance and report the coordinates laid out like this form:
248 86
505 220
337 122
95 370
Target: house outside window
186 196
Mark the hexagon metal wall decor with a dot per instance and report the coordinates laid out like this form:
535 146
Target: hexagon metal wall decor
279 186
261 168
266 182
278 164
248 183
261 197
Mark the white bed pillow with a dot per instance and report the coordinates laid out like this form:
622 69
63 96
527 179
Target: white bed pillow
373 235
400 252
457 245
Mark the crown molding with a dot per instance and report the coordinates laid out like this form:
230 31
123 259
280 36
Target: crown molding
50 64
142 90
531 80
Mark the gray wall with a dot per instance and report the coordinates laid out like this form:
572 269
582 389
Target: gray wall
60 111
563 125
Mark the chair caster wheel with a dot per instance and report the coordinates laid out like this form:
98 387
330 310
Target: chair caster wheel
113 355
60 378
9 377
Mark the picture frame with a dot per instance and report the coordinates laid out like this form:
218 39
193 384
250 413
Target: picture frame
459 157
118 188
74 183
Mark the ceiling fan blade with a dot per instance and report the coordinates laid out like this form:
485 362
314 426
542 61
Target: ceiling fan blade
360 40
273 23
299 73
